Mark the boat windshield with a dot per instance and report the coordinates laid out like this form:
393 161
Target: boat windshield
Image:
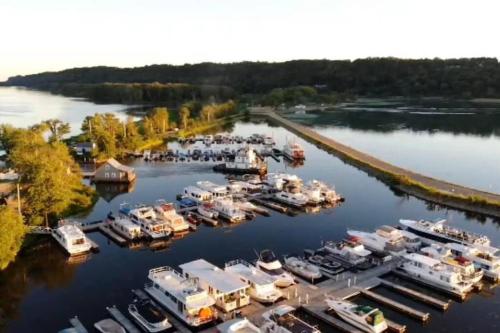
375 318
268 256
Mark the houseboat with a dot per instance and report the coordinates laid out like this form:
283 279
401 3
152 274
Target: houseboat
268 263
72 239
298 200
485 258
229 292
458 264
146 218
364 317
167 211
207 209
440 232
350 251
125 227
432 272
238 326
182 296
293 151
385 239
284 181
328 194
281 319
262 288
245 161
197 194
226 208
217 191
269 141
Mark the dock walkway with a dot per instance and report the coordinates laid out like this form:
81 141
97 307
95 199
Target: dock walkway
437 303
127 324
452 195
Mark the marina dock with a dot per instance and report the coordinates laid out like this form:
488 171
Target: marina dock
272 205
422 316
442 305
124 321
106 230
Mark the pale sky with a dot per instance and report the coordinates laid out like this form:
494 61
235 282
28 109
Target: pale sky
47 35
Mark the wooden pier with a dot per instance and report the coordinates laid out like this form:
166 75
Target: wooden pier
272 205
442 305
205 219
77 325
107 231
127 324
395 327
422 316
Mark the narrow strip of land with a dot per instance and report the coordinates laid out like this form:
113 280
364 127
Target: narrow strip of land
435 190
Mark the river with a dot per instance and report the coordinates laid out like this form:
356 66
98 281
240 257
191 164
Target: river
41 290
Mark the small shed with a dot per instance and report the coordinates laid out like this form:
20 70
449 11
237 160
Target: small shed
114 171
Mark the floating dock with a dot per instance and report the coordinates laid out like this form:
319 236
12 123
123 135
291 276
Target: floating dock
107 231
395 327
422 316
205 219
272 205
77 325
127 324
437 303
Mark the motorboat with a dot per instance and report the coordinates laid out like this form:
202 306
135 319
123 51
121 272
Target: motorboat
72 239
441 232
262 287
282 319
149 315
182 296
385 239
366 318
302 268
293 151
109 326
269 141
328 194
327 264
238 326
434 273
485 258
226 209
269 263
459 264
207 210
175 221
293 199
208 140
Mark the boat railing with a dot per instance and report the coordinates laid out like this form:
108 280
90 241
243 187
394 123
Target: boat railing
236 262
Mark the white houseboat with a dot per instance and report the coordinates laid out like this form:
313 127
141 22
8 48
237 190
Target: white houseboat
125 227
226 208
197 194
207 209
217 191
442 233
175 221
245 161
229 292
485 258
182 296
328 194
151 225
262 288
293 151
72 239
350 251
432 272
293 199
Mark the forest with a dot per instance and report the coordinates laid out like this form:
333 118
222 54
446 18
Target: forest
457 78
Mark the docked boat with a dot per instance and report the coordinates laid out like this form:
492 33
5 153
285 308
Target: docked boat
364 317
125 227
207 210
385 239
298 200
350 251
208 140
197 194
459 264
150 224
236 187
226 209
313 195
281 319
245 161
262 287
182 296
293 151
72 239
268 263
432 272
269 141
238 326
217 191
284 181
327 264
109 326
328 194
302 268
442 233
149 316
167 211
413 242
485 258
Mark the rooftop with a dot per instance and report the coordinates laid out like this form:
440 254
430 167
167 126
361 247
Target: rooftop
224 282
117 165
249 272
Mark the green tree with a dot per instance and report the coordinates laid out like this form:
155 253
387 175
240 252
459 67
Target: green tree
57 128
184 113
12 231
159 117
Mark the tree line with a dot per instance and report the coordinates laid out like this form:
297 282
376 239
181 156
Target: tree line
464 78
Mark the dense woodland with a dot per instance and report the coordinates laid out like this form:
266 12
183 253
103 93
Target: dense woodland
463 78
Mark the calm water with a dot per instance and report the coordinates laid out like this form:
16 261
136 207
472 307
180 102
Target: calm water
459 143
42 290
22 107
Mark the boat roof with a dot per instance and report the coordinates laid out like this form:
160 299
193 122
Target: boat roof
251 273
224 282
126 223
237 326
210 186
197 190
428 261
176 284
71 231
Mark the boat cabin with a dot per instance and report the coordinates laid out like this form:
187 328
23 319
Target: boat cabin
197 194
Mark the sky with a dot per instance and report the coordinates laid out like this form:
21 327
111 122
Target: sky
49 35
